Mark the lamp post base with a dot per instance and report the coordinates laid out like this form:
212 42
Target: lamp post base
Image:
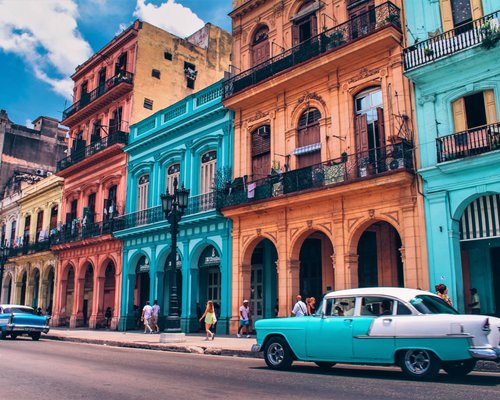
172 337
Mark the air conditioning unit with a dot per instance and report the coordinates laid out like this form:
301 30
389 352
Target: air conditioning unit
40 172
395 163
49 173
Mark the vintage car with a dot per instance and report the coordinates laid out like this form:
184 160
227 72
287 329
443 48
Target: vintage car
413 329
21 320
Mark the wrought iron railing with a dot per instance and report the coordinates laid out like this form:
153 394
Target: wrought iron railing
196 204
472 142
354 167
31 248
75 231
366 23
88 98
460 38
98 145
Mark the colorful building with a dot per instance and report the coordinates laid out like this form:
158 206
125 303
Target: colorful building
140 71
452 58
191 142
325 194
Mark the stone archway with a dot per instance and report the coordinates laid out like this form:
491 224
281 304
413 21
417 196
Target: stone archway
48 294
142 282
67 308
88 294
35 287
23 288
7 290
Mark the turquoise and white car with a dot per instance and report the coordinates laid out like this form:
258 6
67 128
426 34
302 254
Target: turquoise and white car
413 329
16 320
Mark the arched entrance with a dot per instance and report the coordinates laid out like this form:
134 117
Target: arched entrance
24 279
70 295
260 45
480 252
379 256
316 272
263 281
142 282
88 292
178 277
109 287
49 294
209 287
7 290
36 288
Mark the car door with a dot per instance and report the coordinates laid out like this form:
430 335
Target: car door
329 336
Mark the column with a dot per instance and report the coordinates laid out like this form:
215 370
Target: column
351 270
76 318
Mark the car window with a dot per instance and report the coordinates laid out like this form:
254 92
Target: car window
341 306
402 309
376 306
426 304
20 310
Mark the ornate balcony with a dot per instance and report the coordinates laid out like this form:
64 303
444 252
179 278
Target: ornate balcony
478 32
350 168
31 248
74 232
386 14
118 137
103 95
472 142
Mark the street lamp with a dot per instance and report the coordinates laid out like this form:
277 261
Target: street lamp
174 206
4 251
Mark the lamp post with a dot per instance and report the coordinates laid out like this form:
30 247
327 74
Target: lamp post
174 206
4 251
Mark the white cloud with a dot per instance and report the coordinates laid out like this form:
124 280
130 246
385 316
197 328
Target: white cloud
46 36
170 16
29 123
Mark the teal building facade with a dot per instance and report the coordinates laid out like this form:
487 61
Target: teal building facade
452 58
191 142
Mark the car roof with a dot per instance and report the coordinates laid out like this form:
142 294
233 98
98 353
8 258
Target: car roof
15 305
405 294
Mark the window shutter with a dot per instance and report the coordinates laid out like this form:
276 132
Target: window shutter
446 15
381 127
68 218
361 134
314 25
477 9
490 106
459 117
295 35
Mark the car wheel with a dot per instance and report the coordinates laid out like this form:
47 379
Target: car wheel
459 368
278 354
36 335
3 335
324 364
420 364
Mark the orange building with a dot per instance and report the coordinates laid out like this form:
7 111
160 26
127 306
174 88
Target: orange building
325 195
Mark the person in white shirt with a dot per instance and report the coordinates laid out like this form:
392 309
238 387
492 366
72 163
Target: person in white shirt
300 308
147 313
155 313
244 319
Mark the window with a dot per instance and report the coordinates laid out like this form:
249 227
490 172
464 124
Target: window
362 18
458 13
53 217
191 73
155 73
84 92
261 152
143 192
376 306
26 236
121 64
213 286
208 165
402 309
89 211
308 149
39 226
474 110
426 304
13 232
173 172
260 45
167 55
148 103
110 203
305 22
115 123
340 307
96 132
101 80
3 233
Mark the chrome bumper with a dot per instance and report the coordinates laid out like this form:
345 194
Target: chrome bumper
27 328
256 348
492 354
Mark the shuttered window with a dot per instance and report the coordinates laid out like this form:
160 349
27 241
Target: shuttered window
481 108
481 219
208 166
173 172
261 152
142 193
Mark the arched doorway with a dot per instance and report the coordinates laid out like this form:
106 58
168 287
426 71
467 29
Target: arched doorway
24 279
49 294
316 272
70 295
7 290
209 287
260 45
178 277
305 22
379 256
264 281
142 282
36 288
308 149
109 287
88 292
480 252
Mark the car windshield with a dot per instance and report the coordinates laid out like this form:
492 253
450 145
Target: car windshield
426 304
20 310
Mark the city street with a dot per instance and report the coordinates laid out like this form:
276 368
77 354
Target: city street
60 370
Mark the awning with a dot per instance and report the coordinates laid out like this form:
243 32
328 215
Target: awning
310 148
481 219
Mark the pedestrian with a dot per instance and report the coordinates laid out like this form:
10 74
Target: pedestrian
155 315
311 306
210 319
244 319
442 291
475 305
137 316
39 311
108 314
147 312
299 309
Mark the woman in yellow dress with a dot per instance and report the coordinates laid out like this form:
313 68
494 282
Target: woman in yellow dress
210 319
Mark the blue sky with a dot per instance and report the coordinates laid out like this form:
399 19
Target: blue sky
42 41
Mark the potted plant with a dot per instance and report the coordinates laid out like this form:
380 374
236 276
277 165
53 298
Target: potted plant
491 35
343 157
428 52
392 19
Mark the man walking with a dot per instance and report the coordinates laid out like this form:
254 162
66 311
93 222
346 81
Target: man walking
147 312
244 319
299 309
155 313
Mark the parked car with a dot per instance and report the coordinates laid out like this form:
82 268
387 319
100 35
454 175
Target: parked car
21 320
413 329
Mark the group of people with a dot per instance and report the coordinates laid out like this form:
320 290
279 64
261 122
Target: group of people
150 317
301 309
474 305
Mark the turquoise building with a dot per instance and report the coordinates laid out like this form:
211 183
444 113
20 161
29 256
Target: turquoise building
453 58
191 142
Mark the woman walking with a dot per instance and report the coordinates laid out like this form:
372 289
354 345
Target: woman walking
210 319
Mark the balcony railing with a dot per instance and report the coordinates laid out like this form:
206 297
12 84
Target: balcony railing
73 232
363 25
460 38
349 168
31 248
88 98
196 204
469 143
99 145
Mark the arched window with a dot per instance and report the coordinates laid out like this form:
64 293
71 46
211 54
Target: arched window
260 45
173 172
208 166
369 123
305 22
39 227
308 151
143 192
261 152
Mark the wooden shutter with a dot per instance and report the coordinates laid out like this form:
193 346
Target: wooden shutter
361 133
381 127
459 117
446 15
490 106
314 25
295 35
477 8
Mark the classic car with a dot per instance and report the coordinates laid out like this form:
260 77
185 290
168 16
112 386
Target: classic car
18 320
413 329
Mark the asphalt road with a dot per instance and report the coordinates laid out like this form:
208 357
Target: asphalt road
59 370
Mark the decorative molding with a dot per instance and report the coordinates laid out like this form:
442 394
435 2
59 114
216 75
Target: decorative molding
371 212
351 222
429 98
394 215
309 223
258 231
273 236
258 115
309 96
293 232
364 73
327 226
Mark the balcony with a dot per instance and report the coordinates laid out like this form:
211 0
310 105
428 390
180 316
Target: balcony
350 168
74 232
103 95
466 36
469 143
31 248
117 137
196 204
361 26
